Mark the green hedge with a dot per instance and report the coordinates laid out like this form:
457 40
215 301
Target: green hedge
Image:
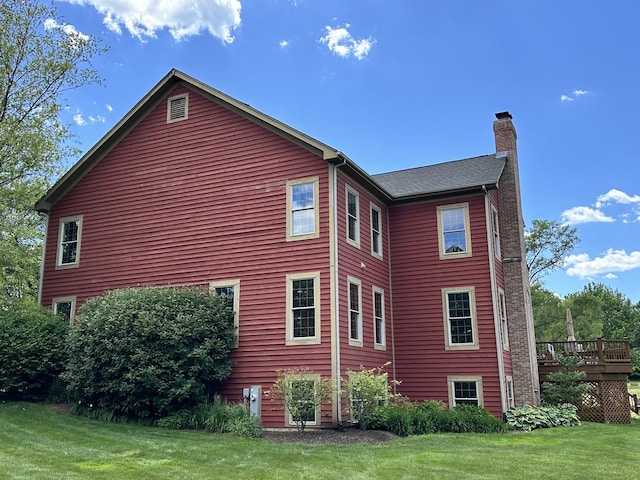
150 352
32 351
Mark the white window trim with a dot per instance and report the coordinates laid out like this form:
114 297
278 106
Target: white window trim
349 190
236 303
356 342
316 339
451 380
63 221
379 346
467 231
72 300
510 396
475 345
495 232
372 207
308 377
290 185
504 321
170 100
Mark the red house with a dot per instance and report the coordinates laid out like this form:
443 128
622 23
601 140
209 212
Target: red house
329 267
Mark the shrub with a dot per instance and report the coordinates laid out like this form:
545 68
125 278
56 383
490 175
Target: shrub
150 352
469 418
32 351
565 385
399 418
368 389
527 418
301 393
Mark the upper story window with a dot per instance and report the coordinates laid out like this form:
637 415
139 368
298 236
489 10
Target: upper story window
178 108
376 231
454 236
355 311
229 290
303 311
65 307
302 209
502 310
461 328
495 232
353 217
378 319
69 242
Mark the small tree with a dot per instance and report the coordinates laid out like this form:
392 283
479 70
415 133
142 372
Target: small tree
302 392
368 389
565 385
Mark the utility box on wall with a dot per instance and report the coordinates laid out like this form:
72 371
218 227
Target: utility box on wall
252 396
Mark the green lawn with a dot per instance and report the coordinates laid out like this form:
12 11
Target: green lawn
38 443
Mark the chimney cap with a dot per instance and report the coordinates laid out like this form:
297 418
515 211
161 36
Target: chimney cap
503 115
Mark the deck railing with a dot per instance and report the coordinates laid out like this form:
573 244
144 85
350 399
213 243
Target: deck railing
592 352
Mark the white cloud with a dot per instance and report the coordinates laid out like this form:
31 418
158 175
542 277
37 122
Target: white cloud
283 43
82 121
341 43
79 119
616 196
577 215
611 261
182 18
109 108
576 93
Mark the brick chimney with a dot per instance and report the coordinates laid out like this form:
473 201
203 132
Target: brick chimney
522 342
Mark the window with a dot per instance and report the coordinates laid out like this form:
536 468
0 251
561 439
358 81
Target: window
69 242
453 231
178 108
303 322
378 319
230 291
355 312
302 209
510 401
495 230
353 219
465 390
376 232
460 318
65 307
502 310
305 396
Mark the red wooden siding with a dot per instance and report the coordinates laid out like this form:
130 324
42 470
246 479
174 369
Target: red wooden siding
422 363
195 201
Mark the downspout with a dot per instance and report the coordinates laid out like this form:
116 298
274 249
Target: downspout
494 299
44 250
393 338
337 286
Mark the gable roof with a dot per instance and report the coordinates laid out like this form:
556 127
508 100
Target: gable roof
449 177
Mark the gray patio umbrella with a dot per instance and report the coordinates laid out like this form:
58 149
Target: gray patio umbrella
571 336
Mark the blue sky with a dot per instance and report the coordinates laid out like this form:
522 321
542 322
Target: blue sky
402 83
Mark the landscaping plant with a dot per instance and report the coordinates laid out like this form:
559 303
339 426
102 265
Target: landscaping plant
565 385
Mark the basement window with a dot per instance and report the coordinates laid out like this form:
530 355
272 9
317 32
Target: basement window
178 108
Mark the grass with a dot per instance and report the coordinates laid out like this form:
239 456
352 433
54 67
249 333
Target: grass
39 443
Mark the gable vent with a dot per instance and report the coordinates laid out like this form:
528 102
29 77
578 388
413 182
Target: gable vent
177 108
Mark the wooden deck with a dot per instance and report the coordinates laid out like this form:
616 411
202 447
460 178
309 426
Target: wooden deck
610 358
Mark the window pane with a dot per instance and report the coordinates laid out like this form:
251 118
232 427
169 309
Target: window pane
303 293
460 317
465 392
304 222
453 229
70 232
302 195
69 252
354 313
379 318
64 310
304 323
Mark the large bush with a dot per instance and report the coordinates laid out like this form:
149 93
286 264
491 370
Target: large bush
150 352
32 350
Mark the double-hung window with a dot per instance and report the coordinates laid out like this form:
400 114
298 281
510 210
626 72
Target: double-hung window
303 312
495 232
378 319
229 290
355 311
461 329
302 209
454 236
376 231
69 242
353 217
465 390
304 394
502 310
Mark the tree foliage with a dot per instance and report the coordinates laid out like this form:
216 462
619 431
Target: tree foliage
32 350
41 58
566 385
147 353
548 242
